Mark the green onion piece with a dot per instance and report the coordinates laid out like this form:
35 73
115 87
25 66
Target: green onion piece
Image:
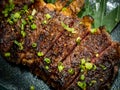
44 22
71 71
48 16
34 45
46 67
78 40
60 66
93 30
32 1
82 85
33 26
103 67
23 21
82 77
32 87
17 15
30 17
47 60
19 44
92 82
82 67
40 54
34 12
22 27
94 67
25 8
7 54
10 21
66 27
82 61
10 1
88 65
64 9
23 33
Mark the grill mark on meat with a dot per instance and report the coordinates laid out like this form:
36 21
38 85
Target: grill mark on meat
106 74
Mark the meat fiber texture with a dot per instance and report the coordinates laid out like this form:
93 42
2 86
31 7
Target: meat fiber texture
60 48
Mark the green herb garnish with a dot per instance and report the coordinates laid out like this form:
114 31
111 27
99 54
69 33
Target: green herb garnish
78 40
47 67
71 71
40 54
66 27
34 45
7 54
20 45
103 67
47 60
33 26
82 77
82 61
88 66
23 33
60 66
82 85
94 30
48 16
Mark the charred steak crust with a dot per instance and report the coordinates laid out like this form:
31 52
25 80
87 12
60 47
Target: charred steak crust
58 46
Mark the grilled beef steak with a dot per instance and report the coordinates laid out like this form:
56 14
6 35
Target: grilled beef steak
58 46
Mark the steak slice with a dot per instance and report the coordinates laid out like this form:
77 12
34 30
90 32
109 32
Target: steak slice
57 46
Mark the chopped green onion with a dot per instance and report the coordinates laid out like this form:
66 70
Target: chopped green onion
82 77
10 1
32 87
17 15
46 67
23 21
7 54
48 16
64 9
82 85
44 22
93 30
34 45
22 27
82 67
30 17
94 67
71 71
66 27
19 44
103 67
47 60
88 65
32 1
25 7
60 66
92 82
10 21
40 54
23 33
33 26
78 40
82 61
34 12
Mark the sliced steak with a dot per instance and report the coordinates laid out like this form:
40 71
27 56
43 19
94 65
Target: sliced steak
57 46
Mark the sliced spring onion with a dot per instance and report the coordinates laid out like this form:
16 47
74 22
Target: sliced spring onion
48 16
23 33
71 71
94 30
66 27
82 85
46 67
47 60
33 26
40 54
82 77
7 54
82 61
78 40
88 65
34 45
60 66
